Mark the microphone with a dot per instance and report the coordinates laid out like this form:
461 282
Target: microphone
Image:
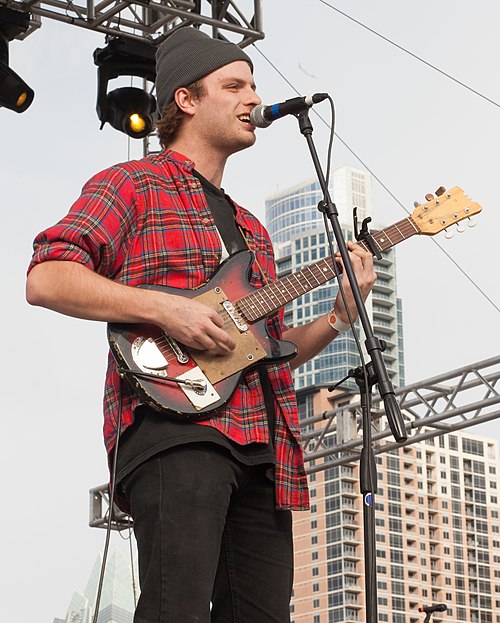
431 609
262 116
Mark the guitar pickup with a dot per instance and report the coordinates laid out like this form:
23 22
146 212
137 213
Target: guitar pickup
235 317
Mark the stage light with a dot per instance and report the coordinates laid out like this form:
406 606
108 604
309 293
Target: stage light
128 109
15 94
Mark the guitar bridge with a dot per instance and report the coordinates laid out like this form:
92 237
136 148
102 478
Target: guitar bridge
235 317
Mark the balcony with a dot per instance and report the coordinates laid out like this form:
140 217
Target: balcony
348 504
352 585
350 553
349 519
348 489
351 568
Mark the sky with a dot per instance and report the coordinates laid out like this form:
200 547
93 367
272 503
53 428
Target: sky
414 128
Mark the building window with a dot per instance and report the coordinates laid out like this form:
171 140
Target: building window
472 446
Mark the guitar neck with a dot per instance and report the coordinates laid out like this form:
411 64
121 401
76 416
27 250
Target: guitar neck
266 301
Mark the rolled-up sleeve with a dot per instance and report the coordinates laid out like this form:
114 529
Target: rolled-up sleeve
97 228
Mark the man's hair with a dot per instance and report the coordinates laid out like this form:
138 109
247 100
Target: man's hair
171 118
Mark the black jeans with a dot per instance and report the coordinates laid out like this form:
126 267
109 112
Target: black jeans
208 533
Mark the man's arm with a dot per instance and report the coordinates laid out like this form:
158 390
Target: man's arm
72 289
313 337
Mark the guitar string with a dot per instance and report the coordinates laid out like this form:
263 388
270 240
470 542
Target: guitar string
163 344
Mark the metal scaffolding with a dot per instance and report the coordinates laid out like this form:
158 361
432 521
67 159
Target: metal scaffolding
442 404
148 20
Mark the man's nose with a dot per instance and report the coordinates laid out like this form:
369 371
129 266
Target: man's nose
254 99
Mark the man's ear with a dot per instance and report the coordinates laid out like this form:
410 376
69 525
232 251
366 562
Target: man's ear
184 100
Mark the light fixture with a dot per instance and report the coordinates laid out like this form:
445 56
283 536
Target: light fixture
128 109
15 94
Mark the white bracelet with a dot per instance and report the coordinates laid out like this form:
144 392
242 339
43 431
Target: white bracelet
336 323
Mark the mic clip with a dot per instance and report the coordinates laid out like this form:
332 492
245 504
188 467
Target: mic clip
364 235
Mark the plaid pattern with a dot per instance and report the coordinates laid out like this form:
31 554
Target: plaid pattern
148 222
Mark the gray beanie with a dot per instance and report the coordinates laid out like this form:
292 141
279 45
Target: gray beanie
188 55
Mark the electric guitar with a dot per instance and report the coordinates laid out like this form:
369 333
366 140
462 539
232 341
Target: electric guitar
169 376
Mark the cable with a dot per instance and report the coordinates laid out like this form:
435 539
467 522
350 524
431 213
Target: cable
400 47
375 177
110 515
134 589
332 253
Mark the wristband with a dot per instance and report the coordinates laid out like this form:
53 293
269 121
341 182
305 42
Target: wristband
336 323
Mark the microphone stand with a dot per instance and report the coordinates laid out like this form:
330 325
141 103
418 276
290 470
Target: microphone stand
376 373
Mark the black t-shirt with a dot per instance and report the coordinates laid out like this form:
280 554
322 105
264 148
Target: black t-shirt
152 431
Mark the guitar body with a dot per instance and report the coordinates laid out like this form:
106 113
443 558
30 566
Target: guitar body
169 376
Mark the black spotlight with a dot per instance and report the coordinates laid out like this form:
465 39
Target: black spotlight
128 109
15 94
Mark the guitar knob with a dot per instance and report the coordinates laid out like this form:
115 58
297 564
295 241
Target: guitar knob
440 191
429 197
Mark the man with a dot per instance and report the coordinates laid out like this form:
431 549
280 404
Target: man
211 500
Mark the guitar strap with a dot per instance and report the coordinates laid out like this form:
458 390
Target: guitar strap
235 240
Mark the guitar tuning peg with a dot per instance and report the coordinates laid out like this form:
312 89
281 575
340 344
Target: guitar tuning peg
460 228
416 204
440 191
471 222
429 197
449 234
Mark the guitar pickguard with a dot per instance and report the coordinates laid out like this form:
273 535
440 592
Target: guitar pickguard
248 350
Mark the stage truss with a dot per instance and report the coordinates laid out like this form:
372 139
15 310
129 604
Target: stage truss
436 406
149 20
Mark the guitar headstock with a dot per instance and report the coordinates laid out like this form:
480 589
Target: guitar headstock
442 210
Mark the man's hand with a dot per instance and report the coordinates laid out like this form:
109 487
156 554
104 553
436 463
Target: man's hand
362 262
195 325
313 337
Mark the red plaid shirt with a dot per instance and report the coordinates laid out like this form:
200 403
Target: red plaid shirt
148 222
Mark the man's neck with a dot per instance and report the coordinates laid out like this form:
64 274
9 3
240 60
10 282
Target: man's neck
209 164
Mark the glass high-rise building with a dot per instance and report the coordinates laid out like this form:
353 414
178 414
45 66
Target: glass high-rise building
117 597
296 228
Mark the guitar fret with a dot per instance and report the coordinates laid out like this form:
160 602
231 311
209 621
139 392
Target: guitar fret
289 281
304 276
412 224
389 237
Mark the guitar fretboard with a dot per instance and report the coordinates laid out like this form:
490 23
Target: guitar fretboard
267 300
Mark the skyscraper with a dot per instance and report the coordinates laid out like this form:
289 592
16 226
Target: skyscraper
437 533
117 599
296 228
